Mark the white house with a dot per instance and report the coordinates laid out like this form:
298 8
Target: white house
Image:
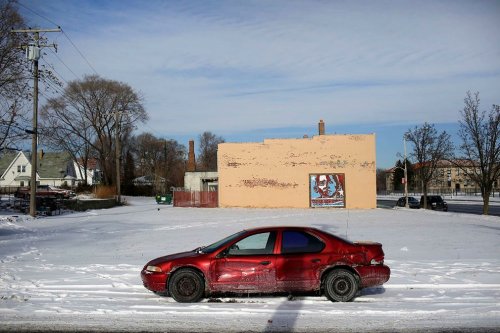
15 170
53 168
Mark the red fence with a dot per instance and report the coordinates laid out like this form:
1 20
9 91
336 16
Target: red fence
196 199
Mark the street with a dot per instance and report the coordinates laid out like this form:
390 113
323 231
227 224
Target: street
468 207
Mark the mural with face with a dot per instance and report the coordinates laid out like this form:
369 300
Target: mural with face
327 190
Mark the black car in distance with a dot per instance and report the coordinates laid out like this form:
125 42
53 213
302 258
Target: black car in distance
412 202
434 202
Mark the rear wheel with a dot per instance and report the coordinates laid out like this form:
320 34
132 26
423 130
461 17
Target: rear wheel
186 286
341 285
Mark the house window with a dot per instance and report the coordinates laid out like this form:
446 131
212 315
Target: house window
18 168
24 168
21 183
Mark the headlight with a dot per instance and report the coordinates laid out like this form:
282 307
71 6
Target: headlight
154 269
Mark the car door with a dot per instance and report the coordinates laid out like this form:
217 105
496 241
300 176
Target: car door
300 262
249 265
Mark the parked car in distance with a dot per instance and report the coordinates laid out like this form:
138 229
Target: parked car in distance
412 202
270 260
46 191
434 202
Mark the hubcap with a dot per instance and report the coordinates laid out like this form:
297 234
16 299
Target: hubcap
341 286
186 286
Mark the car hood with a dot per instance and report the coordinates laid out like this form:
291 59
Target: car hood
171 257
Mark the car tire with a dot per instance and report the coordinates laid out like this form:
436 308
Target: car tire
186 286
341 285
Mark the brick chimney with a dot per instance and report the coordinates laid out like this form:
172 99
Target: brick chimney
191 165
321 127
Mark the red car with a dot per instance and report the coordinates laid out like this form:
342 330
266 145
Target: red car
270 260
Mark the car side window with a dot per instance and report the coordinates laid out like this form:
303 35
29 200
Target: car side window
257 244
300 242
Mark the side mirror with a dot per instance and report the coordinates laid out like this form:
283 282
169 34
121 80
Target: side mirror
223 253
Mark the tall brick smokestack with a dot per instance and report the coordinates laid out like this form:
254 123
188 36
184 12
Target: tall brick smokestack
321 127
191 166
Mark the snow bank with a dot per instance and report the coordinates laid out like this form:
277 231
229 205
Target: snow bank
81 271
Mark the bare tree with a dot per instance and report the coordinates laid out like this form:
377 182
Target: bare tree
13 81
160 158
84 116
174 163
148 151
208 151
480 147
429 148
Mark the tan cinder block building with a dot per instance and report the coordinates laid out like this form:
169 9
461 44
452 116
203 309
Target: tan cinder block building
297 172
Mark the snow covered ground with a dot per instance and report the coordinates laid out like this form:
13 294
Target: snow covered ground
80 272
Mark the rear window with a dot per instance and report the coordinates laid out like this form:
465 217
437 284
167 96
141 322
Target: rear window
300 242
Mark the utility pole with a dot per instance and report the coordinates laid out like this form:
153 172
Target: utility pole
117 156
33 54
406 175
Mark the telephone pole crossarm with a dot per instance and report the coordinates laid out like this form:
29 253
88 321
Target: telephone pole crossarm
29 30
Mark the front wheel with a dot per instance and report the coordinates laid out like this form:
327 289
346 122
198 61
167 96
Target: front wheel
341 285
186 286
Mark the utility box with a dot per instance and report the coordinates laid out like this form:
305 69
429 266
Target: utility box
164 199
32 53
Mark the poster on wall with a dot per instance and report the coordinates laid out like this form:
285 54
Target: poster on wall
327 190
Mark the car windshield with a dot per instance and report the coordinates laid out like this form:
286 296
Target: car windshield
211 248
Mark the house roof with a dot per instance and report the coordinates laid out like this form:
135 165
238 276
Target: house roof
5 161
449 164
92 163
50 165
53 164
149 179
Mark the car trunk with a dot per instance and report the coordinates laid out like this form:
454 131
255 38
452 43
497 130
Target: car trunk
373 252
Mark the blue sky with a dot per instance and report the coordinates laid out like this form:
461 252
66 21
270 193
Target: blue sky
249 70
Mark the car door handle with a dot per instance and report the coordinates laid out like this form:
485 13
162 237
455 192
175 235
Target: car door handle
265 263
315 260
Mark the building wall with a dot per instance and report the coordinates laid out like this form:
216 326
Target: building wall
20 169
200 180
276 173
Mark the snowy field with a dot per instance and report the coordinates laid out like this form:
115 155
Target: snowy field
80 272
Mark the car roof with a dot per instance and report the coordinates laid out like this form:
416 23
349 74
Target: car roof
268 228
317 231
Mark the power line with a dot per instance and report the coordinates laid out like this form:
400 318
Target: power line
66 35
39 15
80 52
64 64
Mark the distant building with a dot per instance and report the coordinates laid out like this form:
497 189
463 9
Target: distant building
449 177
199 180
152 180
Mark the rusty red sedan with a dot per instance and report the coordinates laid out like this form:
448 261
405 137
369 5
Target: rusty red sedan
270 260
